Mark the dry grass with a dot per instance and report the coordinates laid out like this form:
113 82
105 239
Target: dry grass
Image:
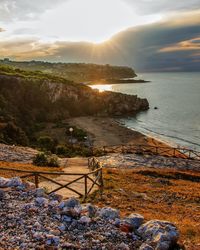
157 194
29 167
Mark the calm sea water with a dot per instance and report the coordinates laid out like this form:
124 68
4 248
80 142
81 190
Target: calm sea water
177 96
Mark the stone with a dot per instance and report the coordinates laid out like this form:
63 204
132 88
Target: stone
163 233
91 210
40 192
135 220
40 201
29 186
14 182
52 240
71 212
56 197
70 203
125 226
109 213
2 195
85 220
145 246
123 246
3 182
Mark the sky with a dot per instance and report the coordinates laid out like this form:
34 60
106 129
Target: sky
150 35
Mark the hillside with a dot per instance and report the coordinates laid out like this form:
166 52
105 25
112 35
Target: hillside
29 100
79 72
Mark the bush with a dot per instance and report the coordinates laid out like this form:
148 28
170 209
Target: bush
43 160
45 143
77 133
40 159
61 150
53 161
13 134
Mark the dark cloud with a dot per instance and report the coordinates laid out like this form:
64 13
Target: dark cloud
163 46
12 10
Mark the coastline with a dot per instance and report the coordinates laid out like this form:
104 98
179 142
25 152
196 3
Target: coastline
106 131
116 81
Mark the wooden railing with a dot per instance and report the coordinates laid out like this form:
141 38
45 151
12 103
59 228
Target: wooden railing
95 177
177 152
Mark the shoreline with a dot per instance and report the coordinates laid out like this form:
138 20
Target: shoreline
106 131
103 82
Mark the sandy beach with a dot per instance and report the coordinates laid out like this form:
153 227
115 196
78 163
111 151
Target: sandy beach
106 131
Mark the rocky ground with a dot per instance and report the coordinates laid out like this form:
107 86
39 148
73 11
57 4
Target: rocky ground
134 161
16 154
29 219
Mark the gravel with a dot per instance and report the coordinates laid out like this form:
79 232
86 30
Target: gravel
30 219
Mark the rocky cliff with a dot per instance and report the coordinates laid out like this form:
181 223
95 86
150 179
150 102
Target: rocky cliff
29 98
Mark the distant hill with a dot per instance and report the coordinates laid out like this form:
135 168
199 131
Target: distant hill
78 72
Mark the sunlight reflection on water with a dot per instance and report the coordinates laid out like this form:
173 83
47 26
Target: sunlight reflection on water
102 88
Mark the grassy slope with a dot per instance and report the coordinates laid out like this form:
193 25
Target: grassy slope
165 197
34 75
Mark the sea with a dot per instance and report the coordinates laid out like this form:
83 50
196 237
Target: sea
174 114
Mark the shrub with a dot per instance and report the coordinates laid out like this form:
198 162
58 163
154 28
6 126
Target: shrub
45 143
53 161
43 160
13 134
61 150
40 159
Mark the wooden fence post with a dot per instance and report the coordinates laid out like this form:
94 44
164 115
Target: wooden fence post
85 187
36 180
101 182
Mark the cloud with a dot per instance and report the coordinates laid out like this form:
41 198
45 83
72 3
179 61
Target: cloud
1 29
164 46
162 6
13 10
29 49
192 44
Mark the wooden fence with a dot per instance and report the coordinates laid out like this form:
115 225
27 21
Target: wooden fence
177 152
95 177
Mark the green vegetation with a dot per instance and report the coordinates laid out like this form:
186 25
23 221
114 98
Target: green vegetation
34 75
45 160
31 100
46 143
78 133
78 72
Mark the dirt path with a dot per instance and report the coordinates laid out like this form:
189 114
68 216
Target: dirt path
74 165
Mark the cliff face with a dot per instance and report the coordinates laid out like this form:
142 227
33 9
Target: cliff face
93 102
71 98
26 103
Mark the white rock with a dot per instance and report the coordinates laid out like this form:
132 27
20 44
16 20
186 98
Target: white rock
135 220
123 246
109 213
40 192
40 201
70 203
145 246
163 233
3 182
85 220
14 182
